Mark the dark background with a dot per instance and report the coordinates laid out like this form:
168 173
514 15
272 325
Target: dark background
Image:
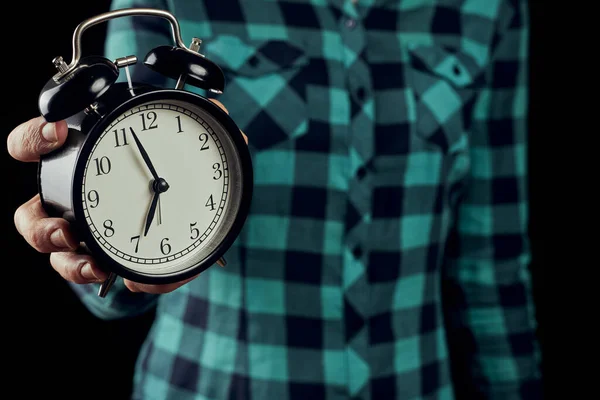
54 346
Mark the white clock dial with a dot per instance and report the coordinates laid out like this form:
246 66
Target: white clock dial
189 150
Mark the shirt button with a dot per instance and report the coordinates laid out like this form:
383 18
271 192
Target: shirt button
350 23
357 252
361 93
253 61
361 172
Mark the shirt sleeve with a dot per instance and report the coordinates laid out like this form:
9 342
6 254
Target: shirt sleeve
126 36
488 291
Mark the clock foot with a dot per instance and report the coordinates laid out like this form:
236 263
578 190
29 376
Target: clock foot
221 262
106 285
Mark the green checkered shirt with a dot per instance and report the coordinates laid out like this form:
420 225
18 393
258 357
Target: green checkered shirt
386 253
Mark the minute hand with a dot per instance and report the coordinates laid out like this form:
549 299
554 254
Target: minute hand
144 155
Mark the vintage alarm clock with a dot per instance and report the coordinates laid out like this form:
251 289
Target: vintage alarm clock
156 182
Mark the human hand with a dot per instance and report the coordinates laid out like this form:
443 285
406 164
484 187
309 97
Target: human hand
27 142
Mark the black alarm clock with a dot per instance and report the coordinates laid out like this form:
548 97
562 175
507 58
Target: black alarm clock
155 182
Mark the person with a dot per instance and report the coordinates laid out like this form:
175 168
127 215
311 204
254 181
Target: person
386 251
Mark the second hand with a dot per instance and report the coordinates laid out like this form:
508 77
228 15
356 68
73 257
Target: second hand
159 219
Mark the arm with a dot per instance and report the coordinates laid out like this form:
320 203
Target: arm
489 307
128 36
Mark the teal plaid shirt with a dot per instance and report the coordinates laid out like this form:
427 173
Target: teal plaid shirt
386 253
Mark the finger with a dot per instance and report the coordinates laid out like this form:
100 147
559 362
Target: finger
77 268
221 106
35 137
155 289
217 102
44 234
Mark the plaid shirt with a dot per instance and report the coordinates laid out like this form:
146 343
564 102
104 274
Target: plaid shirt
386 253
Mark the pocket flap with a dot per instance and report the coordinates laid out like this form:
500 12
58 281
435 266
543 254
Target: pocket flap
457 67
253 58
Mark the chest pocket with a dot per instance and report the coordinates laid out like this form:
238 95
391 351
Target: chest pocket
262 92
445 84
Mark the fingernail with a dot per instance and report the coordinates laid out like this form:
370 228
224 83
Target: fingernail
57 238
88 272
49 132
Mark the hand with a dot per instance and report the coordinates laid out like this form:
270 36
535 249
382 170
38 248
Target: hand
54 236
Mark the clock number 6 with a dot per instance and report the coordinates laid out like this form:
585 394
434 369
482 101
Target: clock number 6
165 247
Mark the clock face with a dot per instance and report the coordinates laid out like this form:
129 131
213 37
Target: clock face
161 229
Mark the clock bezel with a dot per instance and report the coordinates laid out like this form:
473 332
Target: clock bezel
98 252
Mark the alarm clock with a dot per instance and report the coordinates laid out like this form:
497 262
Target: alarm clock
156 182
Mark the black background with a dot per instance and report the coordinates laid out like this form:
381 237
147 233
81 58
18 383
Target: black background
54 346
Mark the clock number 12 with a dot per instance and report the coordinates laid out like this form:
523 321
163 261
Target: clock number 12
151 118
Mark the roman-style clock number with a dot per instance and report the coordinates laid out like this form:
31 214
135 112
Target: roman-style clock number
136 239
103 165
121 137
93 198
194 231
109 231
148 120
204 140
218 172
179 128
210 203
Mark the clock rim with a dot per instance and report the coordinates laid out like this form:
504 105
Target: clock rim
247 174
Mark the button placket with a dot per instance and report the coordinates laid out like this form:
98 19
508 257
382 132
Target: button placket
356 288
350 23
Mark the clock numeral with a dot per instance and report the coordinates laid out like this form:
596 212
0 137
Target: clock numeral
204 139
210 203
102 165
165 247
94 198
194 231
109 231
218 171
151 118
179 124
137 242
120 136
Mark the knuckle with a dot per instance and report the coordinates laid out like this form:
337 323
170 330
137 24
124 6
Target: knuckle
23 219
38 238
32 139
73 272
18 218
67 269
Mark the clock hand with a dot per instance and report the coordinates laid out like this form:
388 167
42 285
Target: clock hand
151 212
159 221
144 155
159 186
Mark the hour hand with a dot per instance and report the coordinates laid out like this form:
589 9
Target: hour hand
158 186
151 212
